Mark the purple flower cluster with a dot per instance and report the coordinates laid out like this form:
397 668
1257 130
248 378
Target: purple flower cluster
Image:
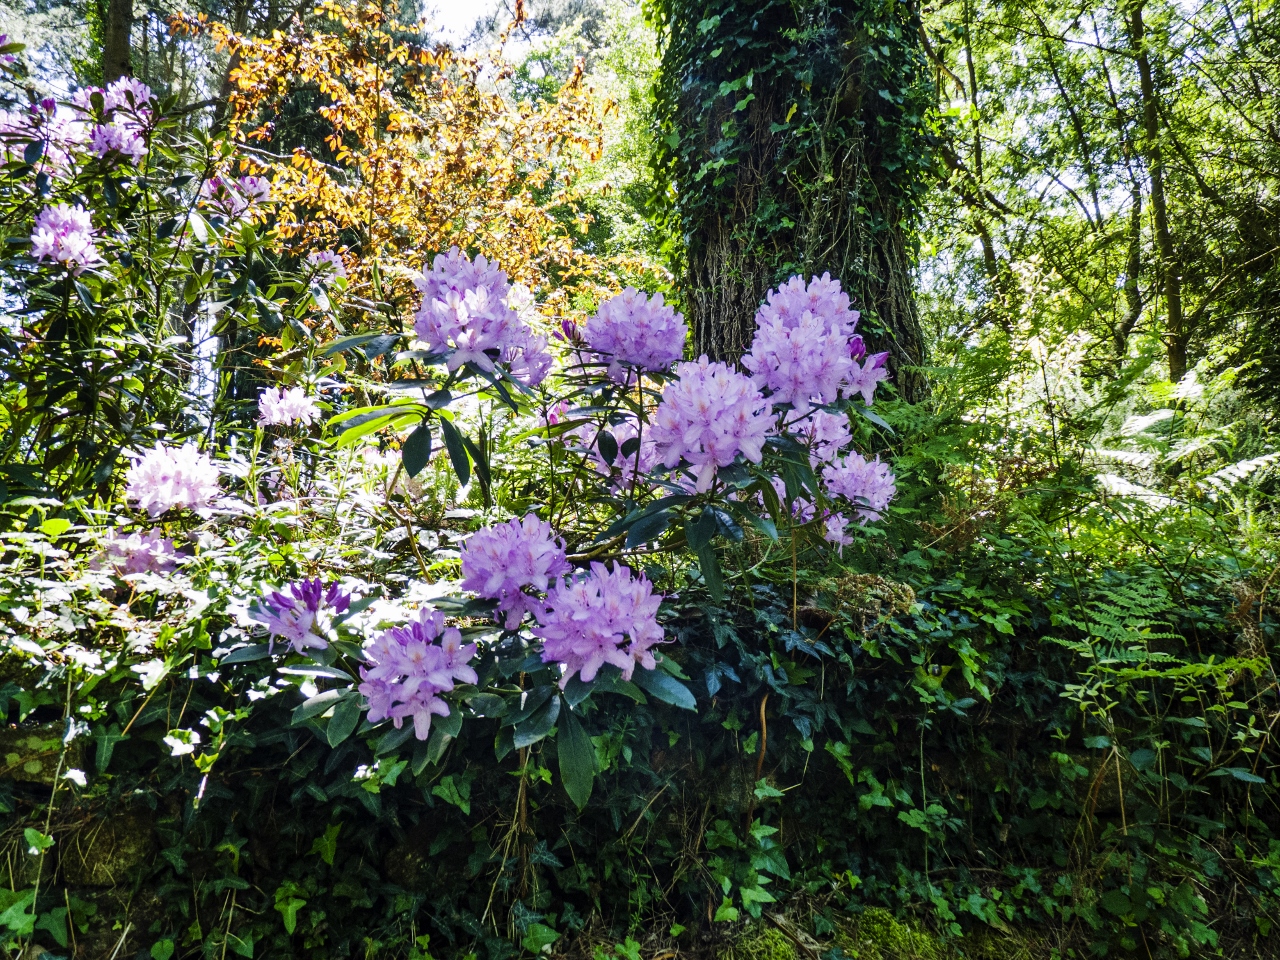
709 416
604 617
281 407
327 263
825 434
301 614
805 350
500 562
234 198
40 121
65 233
867 484
467 312
167 477
632 331
126 110
410 666
138 553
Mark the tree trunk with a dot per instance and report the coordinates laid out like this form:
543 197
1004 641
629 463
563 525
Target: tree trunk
791 161
1170 270
117 59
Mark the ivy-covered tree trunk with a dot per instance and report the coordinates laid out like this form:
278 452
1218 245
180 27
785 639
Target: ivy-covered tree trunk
793 140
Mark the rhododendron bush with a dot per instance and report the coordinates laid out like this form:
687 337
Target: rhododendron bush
567 596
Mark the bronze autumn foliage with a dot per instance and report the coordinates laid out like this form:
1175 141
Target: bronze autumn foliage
427 150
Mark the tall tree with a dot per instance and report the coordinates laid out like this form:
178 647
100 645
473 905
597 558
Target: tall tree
792 135
117 55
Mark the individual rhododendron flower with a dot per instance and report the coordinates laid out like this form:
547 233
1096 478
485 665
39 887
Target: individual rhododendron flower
167 477
608 616
301 614
138 553
867 484
502 561
836 531
281 407
800 362
65 233
127 93
630 330
467 312
410 666
871 372
58 134
709 416
327 263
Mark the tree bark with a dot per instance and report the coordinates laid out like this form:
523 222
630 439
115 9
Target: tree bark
829 201
117 59
1176 335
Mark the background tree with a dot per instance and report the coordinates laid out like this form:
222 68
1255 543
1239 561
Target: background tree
792 136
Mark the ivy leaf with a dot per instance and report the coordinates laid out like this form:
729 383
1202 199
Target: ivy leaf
577 759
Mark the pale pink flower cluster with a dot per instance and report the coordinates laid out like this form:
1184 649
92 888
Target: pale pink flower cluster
608 616
327 263
466 313
632 331
234 198
709 416
65 233
410 666
279 406
168 477
502 561
867 484
805 350
138 553
302 613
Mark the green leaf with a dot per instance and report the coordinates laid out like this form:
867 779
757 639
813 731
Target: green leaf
608 447
327 845
710 566
455 791
417 450
538 938
457 451
246 654
37 842
162 950
648 528
1113 901
1240 773
317 705
346 717
700 532
55 527
289 907
538 725
577 759
665 687
241 946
